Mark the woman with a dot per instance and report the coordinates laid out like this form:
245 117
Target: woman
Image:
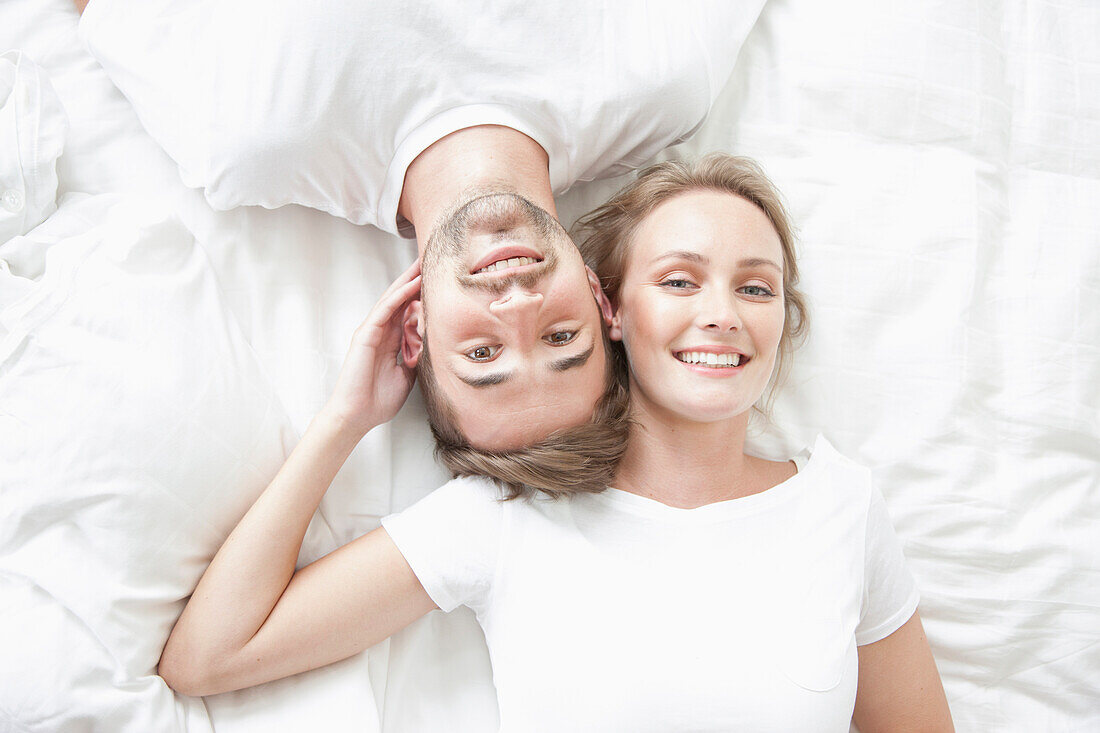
708 590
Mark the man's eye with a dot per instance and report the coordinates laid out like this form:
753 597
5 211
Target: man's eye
483 353
558 338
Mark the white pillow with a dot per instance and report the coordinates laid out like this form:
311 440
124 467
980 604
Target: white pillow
135 430
276 102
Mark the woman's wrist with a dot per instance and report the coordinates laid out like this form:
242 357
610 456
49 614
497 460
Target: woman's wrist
340 426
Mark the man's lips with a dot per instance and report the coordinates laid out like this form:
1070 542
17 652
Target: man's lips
506 258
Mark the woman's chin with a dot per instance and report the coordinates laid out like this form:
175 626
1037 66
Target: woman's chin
701 411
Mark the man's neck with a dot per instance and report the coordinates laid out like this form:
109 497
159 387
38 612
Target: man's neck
480 159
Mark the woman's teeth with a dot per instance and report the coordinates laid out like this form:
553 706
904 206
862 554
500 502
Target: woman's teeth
709 359
511 262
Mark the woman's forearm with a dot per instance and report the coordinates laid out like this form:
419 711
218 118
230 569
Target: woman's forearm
247 622
252 569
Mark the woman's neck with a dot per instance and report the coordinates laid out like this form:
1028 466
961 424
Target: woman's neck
687 464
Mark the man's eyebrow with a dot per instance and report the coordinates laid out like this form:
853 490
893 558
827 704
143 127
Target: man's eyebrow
486 380
571 362
561 365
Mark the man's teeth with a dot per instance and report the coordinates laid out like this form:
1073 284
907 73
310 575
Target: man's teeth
710 359
511 262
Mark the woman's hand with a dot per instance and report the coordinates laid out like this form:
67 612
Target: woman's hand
373 383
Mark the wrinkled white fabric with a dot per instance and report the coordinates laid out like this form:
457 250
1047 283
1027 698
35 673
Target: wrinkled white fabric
33 125
136 428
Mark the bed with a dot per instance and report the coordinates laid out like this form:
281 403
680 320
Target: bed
942 162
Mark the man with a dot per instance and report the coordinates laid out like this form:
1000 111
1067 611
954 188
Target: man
516 319
390 113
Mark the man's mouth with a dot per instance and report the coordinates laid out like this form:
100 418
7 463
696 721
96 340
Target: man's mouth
727 360
507 263
506 258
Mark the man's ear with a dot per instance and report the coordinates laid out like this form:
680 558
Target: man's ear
597 292
412 334
610 314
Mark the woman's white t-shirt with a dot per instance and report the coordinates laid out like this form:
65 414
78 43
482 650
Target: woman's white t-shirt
612 612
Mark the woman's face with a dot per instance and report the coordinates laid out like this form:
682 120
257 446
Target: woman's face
700 309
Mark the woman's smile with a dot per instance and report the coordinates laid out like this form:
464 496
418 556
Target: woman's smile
712 361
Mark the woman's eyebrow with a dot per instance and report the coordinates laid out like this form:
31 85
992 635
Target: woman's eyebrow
683 254
759 262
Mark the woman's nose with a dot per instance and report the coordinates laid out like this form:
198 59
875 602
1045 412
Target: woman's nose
720 314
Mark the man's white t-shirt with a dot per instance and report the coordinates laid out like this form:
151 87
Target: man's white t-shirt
612 612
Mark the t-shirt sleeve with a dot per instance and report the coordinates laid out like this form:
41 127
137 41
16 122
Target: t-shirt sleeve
451 539
889 592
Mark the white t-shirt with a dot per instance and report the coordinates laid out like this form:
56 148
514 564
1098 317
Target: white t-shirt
612 612
270 102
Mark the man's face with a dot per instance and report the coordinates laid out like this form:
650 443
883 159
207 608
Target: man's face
512 322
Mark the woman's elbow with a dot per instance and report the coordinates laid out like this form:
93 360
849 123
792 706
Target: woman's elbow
181 680
186 672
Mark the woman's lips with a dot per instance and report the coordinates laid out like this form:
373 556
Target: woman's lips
712 361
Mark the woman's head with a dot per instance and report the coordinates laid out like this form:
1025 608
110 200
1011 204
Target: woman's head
682 253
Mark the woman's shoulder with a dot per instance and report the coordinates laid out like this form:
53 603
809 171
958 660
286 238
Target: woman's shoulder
822 451
826 466
772 473
461 496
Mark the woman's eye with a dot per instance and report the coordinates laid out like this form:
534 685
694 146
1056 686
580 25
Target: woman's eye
559 338
483 353
677 283
757 290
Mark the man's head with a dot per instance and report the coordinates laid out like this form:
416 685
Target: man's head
509 332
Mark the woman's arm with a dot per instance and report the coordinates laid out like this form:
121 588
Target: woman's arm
252 618
899 686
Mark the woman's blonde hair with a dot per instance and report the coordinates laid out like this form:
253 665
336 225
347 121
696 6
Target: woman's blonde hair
607 232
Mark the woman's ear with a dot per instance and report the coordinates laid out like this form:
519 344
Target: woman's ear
412 334
615 328
597 292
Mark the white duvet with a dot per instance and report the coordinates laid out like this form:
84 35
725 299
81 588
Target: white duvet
943 164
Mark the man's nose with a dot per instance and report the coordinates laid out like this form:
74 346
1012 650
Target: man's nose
517 305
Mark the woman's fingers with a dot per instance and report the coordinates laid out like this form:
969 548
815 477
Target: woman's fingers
393 303
400 291
411 272
391 306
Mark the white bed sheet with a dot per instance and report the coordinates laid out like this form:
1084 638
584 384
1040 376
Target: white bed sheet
943 164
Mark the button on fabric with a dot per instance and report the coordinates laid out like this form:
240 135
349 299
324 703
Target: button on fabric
12 200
